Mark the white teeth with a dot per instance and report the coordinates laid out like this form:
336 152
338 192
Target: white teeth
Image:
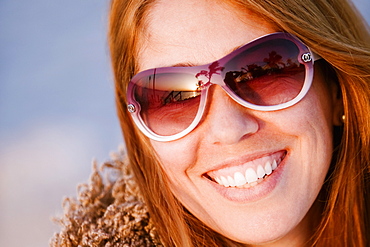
239 179
274 165
231 181
224 181
251 175
268 168
260 172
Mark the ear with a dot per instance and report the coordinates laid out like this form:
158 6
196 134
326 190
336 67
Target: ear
337 105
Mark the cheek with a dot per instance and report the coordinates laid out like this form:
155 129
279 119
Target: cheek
310 123
176 156
311 116
176 159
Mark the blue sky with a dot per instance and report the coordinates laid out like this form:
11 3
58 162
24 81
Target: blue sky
57 109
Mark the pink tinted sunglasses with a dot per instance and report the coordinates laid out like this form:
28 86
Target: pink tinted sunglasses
270 73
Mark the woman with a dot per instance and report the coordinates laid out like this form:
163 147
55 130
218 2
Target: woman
246 123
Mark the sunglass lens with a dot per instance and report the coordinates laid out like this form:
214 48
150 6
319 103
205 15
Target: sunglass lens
266 74
169 101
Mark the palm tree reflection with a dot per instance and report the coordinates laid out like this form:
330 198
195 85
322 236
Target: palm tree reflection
213 68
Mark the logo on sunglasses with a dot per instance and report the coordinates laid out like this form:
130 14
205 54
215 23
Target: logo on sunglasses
306 57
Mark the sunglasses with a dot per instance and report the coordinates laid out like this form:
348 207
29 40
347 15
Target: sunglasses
270 73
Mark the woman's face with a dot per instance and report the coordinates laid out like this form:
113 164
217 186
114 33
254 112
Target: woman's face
231 138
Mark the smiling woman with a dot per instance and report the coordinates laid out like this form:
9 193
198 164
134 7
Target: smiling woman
260 154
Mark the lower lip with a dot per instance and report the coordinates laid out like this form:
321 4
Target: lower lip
253 193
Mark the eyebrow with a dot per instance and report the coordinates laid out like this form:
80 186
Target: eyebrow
187 64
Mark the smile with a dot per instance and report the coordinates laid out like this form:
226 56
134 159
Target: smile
248 174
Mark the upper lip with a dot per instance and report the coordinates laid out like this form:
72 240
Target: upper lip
234 162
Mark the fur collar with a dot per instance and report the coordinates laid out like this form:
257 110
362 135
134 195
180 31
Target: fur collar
108 211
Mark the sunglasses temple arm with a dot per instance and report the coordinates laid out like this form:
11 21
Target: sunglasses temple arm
316 56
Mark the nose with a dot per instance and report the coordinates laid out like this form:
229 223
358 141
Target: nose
227 121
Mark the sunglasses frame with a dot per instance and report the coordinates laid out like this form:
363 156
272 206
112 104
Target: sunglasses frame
305 57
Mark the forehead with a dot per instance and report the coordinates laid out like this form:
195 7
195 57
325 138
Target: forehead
195 32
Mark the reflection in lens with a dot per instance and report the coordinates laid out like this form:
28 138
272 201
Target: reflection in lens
169 101
266 74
